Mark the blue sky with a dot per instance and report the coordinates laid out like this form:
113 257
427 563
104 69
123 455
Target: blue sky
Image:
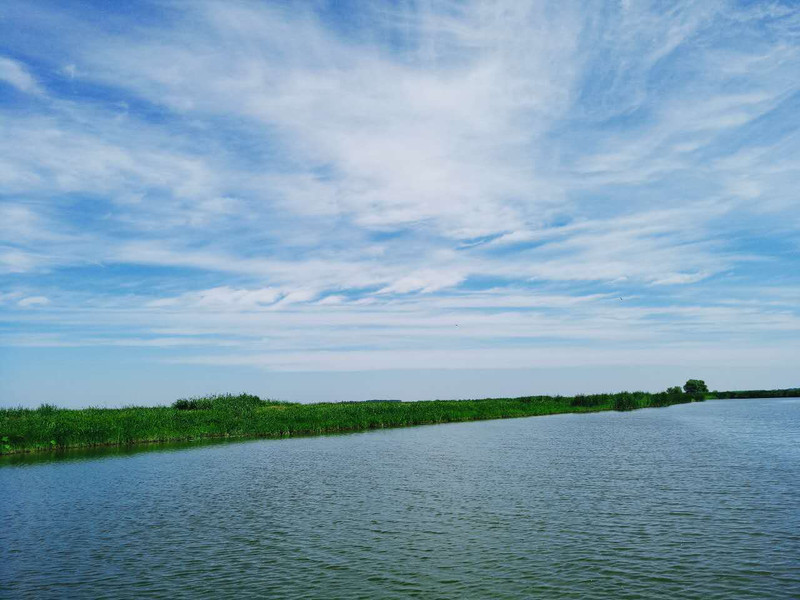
345 200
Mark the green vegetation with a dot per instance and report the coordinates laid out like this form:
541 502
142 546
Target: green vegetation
786 393
625 400
228 416
696 388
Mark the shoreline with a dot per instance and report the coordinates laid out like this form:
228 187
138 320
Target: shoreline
49 429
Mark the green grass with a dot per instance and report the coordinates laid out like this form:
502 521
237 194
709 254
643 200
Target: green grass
785 393
50 428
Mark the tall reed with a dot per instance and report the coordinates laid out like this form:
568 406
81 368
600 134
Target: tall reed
49 427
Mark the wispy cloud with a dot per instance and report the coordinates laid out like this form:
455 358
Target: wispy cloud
33 301
457 180
16 74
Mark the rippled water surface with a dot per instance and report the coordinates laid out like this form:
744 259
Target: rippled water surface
690 501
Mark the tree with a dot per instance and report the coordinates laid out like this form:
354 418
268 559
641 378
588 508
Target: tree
696 388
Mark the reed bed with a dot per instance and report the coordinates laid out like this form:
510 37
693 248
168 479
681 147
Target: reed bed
784 393
50 428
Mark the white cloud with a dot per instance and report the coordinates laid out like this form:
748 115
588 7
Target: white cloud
424 281
405 143
678 278
33 301
16 74
19 261
70 70
221 297
482 182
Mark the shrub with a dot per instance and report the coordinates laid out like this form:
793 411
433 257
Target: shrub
673 395
192 404
625 401
221 402
584 400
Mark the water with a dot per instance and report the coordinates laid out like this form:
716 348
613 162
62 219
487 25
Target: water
690 501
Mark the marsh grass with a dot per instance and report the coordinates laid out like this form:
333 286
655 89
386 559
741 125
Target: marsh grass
227 416
784 393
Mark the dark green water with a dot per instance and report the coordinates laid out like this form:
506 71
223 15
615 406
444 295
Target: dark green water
690 501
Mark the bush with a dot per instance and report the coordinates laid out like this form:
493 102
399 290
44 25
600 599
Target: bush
625 401
584 400
673 395
192 404
225 402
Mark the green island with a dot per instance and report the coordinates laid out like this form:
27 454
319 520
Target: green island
50 428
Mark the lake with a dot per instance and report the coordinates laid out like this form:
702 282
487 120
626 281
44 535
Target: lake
691 501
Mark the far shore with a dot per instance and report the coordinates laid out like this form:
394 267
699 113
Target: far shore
49 428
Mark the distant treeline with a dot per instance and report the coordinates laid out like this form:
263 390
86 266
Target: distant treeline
233 416
787 393
634 400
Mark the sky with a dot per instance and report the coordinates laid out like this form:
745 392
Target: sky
326 201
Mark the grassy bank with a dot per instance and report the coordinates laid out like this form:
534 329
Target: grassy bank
50 428
786 393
